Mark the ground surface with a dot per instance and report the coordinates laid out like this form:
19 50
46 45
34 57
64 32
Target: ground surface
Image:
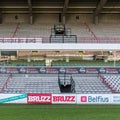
59 112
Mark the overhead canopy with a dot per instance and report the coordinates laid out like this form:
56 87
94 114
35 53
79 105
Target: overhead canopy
60 6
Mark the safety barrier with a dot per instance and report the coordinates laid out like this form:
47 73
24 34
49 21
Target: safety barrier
60 98
46 40
59 70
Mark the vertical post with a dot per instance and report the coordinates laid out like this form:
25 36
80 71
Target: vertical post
65 7
63 18
31 19
60 17
17 54
0 16
114 58
30 12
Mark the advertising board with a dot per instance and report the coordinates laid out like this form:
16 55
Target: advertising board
94 99
39 98
59 98
59 70
116 98
64 99
13 98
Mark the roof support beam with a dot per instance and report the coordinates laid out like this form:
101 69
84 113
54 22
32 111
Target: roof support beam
100 6
98 10
30 11
66 3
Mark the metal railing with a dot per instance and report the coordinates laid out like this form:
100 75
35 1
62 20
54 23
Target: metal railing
113 40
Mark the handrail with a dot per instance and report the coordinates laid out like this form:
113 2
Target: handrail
6 83
90 30
17 27
72 85
103 81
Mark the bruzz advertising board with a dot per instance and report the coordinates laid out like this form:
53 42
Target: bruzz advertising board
64 99
39 99
59 70
59 98
73 99
51 99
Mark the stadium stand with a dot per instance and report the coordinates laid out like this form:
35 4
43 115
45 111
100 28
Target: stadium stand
7 30
24 63
113 82
84 63
105 32
3 79
86 84
32 84
84 21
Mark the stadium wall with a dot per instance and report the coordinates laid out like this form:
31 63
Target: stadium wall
54 18
109 18
10 18
59 98
55 46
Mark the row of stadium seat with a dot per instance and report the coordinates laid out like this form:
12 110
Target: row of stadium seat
23 63
36 83
85 63
113 81
32 85
61 63
44 30
89 84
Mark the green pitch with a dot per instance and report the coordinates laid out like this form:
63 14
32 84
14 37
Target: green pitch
59 112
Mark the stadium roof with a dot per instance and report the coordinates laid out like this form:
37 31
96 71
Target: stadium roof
60 6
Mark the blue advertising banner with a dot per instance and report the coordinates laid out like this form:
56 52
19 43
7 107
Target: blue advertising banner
59 70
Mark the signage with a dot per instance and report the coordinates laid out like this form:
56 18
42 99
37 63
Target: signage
64 98
13 98
94 99
59 70
39 99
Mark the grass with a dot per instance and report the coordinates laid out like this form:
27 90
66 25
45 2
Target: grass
59 112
